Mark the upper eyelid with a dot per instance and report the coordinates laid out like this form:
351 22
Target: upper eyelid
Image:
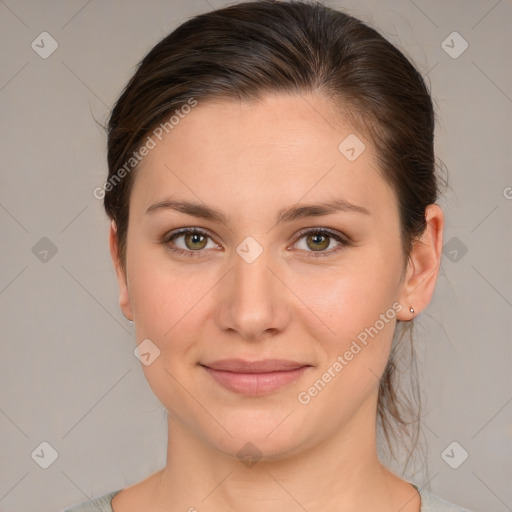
181 232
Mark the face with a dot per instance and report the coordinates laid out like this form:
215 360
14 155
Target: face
264 279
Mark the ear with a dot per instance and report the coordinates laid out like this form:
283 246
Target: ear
124 297
423 266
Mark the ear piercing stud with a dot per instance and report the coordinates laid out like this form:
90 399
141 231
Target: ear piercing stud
411 310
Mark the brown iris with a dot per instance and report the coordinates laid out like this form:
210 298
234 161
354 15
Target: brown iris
194 239
322 245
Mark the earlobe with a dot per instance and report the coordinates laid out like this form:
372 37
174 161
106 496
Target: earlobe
423 267
124 297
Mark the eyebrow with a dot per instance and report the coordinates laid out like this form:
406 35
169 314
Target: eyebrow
283 215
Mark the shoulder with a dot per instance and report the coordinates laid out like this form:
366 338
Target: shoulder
101 504
432 503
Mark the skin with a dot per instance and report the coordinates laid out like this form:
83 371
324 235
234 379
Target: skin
250 161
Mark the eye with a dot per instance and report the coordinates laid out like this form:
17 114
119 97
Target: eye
192 243
317 240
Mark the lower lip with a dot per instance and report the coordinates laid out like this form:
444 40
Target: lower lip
255 383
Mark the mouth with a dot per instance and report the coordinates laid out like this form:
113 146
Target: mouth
255 378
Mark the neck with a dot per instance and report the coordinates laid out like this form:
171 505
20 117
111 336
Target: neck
341 473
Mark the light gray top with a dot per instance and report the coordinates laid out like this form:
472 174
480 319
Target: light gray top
429 503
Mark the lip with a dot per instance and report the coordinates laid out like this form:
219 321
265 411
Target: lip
262 366
255 377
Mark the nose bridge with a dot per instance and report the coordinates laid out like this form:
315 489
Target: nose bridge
251 275
251 300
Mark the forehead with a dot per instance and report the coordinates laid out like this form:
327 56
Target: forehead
274 151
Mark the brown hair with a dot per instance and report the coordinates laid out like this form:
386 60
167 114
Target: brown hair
251 49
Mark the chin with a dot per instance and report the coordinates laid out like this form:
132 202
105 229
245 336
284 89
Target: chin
261 435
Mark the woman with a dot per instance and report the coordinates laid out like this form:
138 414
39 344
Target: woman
272 193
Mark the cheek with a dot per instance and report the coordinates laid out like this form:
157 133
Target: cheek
348 298
354 319
353 330
159 291
164 301
166 305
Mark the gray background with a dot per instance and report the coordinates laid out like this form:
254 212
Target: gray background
68 373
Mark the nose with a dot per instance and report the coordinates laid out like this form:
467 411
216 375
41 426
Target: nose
251 300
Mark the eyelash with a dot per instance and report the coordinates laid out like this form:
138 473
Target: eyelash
344 242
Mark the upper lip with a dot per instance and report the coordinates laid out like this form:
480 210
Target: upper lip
263 366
